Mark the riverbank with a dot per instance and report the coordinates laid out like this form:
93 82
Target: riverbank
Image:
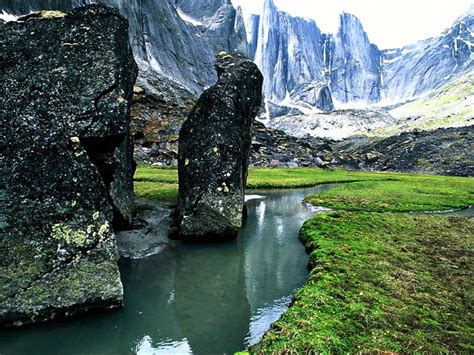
378 281
450 192
384 282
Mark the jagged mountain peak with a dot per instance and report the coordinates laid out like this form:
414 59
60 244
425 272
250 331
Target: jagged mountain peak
351 26
269 4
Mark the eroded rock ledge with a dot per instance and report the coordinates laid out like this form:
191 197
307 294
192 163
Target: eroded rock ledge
66 162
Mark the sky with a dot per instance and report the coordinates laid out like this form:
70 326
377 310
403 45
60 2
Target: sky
389 23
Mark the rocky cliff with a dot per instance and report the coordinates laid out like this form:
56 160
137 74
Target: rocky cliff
66 162
292 53
160 39
415 69
354 64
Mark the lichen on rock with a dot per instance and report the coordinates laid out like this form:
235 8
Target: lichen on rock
66 162
214 148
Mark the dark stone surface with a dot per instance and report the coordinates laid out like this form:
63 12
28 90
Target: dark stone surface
214 147
66 162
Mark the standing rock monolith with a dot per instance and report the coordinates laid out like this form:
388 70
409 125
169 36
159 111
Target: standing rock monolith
214 147
65 161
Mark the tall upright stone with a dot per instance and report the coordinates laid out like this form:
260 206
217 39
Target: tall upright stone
66 164
214 147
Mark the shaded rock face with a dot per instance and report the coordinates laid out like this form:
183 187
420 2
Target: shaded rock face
66 162
214 148
220 25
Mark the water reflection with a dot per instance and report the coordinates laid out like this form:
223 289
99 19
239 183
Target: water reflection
145 347
199 298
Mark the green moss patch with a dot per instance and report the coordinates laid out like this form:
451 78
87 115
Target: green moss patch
384 283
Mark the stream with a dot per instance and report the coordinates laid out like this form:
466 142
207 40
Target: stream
201 298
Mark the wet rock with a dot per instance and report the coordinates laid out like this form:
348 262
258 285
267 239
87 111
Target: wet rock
66 162
214 147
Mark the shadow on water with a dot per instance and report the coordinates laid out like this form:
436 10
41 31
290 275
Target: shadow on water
193 298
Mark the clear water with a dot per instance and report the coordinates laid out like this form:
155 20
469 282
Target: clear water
193 298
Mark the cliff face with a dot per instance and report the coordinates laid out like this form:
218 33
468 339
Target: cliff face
287 52
415 69
179 39
292 52
219 24
67 168
354 64
160 39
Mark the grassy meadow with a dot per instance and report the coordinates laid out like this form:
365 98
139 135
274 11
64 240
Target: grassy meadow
381 279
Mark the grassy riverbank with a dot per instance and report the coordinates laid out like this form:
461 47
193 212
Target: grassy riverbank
372 191
382 282
388 282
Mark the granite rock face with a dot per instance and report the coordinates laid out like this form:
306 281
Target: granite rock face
421 67
288 51
214 148
356 71
66 162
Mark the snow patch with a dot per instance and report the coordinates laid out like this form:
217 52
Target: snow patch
5 16
189 19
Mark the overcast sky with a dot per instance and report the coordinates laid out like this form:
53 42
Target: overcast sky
389 23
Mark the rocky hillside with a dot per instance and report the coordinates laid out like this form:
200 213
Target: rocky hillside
450 105
441 151
157 119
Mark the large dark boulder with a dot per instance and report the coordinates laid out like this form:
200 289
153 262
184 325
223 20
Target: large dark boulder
214 147
66 162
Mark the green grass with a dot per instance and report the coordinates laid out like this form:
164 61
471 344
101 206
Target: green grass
162 183
407 193
371 191
382 282
379 281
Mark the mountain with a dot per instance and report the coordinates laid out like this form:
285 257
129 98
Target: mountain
305 70
354 64
450 105
288 52
418 68
216 21
158 36
293 53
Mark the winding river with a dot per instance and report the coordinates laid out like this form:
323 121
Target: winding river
193 298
